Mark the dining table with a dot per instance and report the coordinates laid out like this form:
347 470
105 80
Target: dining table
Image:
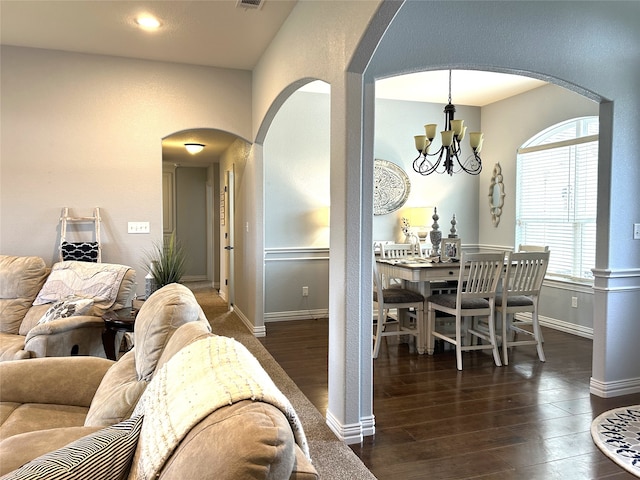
419 274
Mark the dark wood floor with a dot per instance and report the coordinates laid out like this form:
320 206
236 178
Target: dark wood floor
529 420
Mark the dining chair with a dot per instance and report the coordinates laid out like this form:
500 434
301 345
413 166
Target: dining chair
533 248
400 250
385 298
530 248
521 288
478 281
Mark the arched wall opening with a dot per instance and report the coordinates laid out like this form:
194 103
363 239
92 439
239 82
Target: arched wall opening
297 206
578 69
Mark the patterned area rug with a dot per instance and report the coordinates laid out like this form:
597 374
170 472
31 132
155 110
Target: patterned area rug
617 434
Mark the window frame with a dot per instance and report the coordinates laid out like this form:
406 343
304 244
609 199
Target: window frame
577 158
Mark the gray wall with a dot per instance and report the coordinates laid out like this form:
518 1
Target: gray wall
191 219
396 122
296 184
509 124
86 130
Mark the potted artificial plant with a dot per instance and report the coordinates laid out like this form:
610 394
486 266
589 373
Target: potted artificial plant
168 263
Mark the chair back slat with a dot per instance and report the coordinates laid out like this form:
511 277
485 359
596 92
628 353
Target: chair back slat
399 250
525 273
533 248
480 274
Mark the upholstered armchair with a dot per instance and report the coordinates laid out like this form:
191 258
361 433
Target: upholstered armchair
57 312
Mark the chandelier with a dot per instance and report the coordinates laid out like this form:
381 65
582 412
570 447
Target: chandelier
450 153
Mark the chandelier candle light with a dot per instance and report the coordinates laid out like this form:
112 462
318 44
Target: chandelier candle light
450 149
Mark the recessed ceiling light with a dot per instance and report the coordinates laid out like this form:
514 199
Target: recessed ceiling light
148 22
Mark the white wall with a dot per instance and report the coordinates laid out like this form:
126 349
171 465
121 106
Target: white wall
86 130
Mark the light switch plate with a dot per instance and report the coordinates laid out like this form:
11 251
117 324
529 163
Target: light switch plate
138 227
636 231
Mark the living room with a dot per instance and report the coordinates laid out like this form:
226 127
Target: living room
86 121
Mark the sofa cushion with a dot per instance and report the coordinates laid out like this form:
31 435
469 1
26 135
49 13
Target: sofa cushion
29 417
19 449
20 281
117 394
12 347
159 317
183 336
32 317
69 307
105 454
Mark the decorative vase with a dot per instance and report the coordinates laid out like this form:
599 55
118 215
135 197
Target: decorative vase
453 232
435 235
149 284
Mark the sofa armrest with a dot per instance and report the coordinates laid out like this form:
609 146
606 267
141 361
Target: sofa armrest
56 380
61 325
63 337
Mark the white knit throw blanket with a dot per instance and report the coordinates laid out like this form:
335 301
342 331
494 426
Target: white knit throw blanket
202 377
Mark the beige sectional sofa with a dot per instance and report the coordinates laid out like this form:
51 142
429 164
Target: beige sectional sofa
27 280
163 397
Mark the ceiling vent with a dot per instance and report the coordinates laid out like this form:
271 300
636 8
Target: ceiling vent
254 4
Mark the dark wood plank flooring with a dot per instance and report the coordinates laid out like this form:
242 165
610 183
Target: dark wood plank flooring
529 420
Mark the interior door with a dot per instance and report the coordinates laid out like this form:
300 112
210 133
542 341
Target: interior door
229 252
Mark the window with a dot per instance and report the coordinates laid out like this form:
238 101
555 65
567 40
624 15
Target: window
556 196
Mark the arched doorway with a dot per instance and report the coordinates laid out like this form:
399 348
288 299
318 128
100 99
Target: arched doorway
194 203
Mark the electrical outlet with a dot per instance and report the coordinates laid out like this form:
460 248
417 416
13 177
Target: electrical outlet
574 302
138 227
305 291
636 231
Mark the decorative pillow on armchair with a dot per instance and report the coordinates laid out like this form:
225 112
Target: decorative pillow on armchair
105 454
69 307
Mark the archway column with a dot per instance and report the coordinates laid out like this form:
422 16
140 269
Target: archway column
350 408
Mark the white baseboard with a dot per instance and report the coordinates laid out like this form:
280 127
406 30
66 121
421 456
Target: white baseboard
614 389
561 325
296 315
257 331
353 433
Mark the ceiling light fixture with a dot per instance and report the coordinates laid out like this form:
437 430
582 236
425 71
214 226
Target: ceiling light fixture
147 22
450 149
194 148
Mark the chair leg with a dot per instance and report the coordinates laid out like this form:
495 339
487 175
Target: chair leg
458 343
505 338
431 318
537 334
492 336
378 332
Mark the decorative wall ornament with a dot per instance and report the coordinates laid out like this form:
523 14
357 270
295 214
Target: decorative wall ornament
496 195
391 187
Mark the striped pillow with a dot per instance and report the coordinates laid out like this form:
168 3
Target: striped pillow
105 454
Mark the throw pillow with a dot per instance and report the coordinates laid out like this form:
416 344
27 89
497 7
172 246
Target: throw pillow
82 251
105 455
69 307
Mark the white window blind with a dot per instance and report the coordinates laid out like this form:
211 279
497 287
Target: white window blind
556 196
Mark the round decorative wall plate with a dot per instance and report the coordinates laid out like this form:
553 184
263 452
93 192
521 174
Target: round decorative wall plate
391 187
